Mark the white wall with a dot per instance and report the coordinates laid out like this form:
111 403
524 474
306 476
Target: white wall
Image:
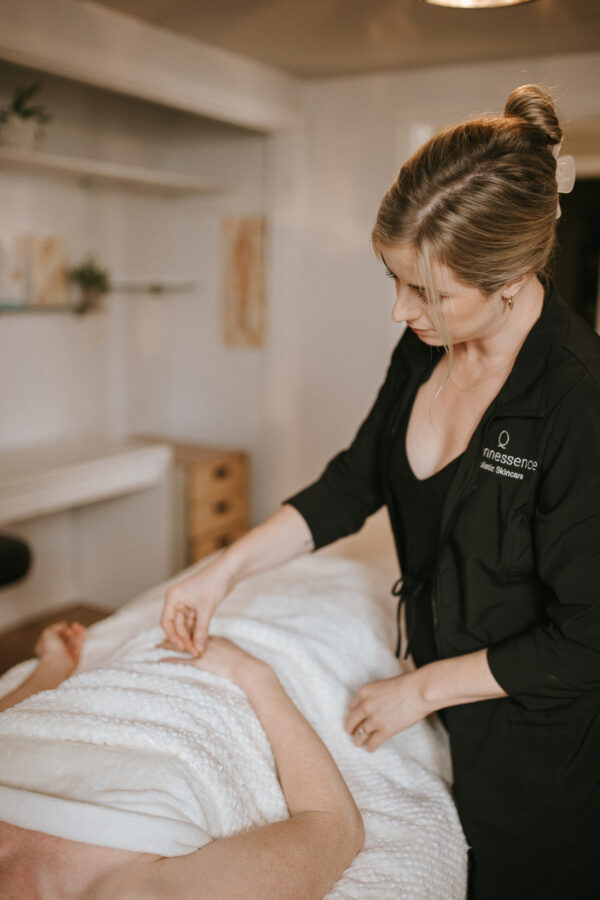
357 132
158 364
145 364
149 364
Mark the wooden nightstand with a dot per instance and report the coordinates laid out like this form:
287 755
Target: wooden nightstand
216 494
211 498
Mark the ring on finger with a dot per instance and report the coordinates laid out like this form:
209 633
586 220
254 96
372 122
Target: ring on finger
362 731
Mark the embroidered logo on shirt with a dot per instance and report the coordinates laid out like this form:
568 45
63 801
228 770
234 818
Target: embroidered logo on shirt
508 463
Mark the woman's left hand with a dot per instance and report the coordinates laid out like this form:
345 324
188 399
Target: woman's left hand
383 708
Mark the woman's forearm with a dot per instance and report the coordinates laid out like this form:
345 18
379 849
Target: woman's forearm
461 679
281 538
383 708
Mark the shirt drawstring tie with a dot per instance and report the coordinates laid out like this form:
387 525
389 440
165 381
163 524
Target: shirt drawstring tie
409 590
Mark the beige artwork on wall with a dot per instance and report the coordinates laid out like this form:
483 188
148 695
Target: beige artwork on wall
33 271
244 302
48 271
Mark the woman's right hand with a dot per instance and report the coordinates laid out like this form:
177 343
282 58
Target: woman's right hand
190 603
189 606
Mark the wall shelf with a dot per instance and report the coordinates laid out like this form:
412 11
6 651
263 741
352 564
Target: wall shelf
139 288
154 288
37 308
102 171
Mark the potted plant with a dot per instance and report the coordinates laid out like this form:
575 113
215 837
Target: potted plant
21 121
92 282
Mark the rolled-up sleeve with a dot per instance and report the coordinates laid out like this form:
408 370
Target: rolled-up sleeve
350 488
559 660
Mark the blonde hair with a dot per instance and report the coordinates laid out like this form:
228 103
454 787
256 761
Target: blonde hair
480 197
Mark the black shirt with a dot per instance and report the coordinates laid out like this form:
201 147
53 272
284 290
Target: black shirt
516 571
419 504
519 556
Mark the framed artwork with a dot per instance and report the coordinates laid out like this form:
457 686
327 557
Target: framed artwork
244 301
48 271
33 271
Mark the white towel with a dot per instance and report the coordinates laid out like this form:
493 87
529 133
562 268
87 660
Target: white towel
136 754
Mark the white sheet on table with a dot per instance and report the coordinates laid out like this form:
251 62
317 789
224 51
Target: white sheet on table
178 757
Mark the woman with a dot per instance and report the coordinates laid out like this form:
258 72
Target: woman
486 455
299 857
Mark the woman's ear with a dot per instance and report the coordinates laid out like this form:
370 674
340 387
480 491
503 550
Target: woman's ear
513 287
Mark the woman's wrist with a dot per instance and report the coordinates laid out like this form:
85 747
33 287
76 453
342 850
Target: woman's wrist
426 688
460 679
432 690
228 568
219 574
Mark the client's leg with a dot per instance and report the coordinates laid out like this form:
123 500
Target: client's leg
58 649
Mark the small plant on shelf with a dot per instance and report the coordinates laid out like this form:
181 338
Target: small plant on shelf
92 282
21 121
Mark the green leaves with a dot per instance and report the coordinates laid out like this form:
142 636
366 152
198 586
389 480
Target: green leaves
20 104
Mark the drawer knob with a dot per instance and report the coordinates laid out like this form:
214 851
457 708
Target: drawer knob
222 506
224 541
221 472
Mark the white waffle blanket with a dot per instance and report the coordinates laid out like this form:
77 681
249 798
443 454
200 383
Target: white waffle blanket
140 755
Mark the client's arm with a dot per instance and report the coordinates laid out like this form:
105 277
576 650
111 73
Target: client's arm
190 603
58 649
300 857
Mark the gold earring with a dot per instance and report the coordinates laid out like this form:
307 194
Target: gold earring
510 301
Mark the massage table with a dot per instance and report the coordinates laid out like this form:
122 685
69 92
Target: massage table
135 754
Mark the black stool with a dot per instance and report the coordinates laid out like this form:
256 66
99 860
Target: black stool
15 559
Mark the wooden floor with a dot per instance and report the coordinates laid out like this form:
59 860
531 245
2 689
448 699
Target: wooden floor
18 643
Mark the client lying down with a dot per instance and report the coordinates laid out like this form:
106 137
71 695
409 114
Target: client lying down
144 778
299 857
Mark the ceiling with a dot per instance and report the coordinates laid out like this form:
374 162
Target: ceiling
323 38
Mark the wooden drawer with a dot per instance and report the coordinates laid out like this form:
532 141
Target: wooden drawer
205 545
210 508
217 513
216 477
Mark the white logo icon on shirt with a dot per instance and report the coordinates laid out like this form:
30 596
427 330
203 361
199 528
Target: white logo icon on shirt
507 464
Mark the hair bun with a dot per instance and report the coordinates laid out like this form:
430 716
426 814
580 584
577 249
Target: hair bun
531 103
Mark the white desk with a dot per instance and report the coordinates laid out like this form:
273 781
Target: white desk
96 513
36 481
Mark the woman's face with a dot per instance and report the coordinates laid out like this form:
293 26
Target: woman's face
467 313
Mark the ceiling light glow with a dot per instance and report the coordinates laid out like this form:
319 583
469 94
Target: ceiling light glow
476 4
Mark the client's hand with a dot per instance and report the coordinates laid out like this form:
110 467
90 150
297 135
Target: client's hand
383 708
222 657
189 606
